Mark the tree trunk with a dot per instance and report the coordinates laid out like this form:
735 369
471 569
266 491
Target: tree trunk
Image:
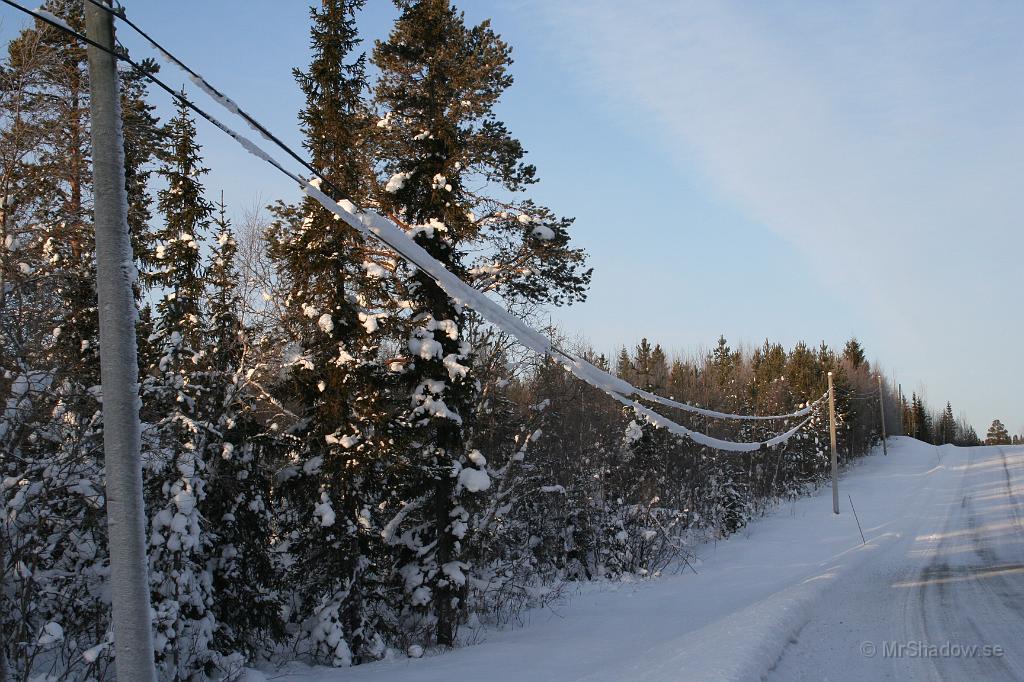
446 614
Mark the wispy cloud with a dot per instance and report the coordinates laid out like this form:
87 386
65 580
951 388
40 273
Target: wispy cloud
884 140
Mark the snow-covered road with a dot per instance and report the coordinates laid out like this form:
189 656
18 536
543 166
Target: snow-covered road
927 605
796 595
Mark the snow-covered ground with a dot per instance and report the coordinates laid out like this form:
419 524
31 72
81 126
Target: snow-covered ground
795 595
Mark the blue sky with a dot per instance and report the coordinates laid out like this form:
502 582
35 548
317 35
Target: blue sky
791 170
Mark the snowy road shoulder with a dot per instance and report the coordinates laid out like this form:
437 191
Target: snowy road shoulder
732 620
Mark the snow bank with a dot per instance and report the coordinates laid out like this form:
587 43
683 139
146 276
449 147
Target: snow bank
731 620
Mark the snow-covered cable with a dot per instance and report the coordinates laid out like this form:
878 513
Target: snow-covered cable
231 106
371 223
668 402
732 446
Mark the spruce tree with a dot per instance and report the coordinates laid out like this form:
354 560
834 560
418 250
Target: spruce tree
181 432
247 601
768 386
946 431
724 364
920 422
624 368
337 316
440 144
642 362
659 369
966 435
853 353
222 301
906 416
682 380
801 373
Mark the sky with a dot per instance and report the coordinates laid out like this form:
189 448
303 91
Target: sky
786 170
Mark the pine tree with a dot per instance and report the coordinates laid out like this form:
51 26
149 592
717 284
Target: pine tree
336 329
144 138
997 434
440 140
648 368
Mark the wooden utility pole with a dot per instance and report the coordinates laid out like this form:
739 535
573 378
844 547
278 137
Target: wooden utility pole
832 436
881 412
903 427
119 373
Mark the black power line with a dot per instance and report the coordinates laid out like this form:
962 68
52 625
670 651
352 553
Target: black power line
122 55
120 14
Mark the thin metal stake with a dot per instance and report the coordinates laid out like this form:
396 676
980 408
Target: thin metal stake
858 520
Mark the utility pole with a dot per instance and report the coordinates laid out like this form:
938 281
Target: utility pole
119 373
881 412
832 436
903 427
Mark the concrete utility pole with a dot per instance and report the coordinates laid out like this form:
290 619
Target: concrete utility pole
119 374
881 411
832 436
